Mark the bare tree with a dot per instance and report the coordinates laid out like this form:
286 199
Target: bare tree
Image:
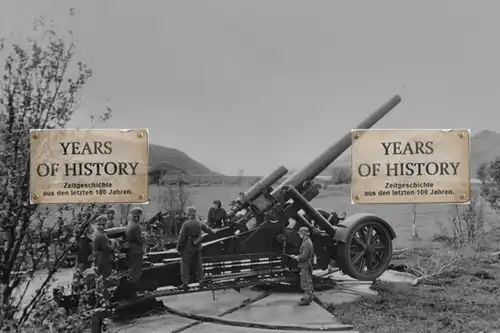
414 230
124 210
177 196
169 196
489 174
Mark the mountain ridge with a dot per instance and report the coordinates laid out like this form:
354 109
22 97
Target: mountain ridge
485 146
160 154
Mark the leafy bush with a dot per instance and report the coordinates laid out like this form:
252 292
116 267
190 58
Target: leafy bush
466 225
489 174
40 87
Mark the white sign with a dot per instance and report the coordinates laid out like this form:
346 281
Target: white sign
89 166
410 166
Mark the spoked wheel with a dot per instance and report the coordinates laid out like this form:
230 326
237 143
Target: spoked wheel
367 252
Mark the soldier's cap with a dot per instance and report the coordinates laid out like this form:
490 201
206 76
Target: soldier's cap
112 210
136 211
304 230
191 211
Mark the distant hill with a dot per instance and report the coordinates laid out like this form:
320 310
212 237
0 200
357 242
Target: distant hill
159 154
485 146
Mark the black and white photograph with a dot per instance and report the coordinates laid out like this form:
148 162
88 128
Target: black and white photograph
249 166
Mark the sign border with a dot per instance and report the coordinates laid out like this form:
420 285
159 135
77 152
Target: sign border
467 198
33 196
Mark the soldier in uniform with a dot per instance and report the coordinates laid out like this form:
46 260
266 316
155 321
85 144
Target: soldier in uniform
103 252
111 218
169 224
305 262
180 218
84 250
216 215
189 247
133 236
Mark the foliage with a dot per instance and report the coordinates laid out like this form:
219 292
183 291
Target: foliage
172 197
40 88
489 174
466 227
175 198
341 175
455 287
156 173
462 300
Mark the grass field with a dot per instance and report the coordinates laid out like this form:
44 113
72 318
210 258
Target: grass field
464 300
337 198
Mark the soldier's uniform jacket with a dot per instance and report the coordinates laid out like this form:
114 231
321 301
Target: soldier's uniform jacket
84 249
190 232
306 257
133 236
110 224
103 252
216 216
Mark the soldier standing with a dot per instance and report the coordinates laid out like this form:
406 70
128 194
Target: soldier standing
84 250
133 236
169 224
111 218
103 253
179 220
189 247
305 262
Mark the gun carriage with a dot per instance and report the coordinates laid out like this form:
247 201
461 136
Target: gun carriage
255 248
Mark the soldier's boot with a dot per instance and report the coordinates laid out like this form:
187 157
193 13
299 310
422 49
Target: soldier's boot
185 287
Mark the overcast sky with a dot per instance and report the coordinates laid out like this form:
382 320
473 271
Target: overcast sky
255 84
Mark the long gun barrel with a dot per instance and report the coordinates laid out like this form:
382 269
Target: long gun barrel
320 163
253 192
311 170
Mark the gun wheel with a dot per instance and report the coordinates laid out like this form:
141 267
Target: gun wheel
367 252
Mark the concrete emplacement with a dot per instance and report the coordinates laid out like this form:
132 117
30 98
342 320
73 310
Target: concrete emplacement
255 310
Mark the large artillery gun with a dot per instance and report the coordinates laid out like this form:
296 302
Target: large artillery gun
256 248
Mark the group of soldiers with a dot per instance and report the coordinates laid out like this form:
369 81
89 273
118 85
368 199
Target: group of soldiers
170 222
95 247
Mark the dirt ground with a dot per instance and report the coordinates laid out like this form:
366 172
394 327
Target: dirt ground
464 299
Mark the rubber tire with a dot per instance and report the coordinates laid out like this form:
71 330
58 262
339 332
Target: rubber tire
343 259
